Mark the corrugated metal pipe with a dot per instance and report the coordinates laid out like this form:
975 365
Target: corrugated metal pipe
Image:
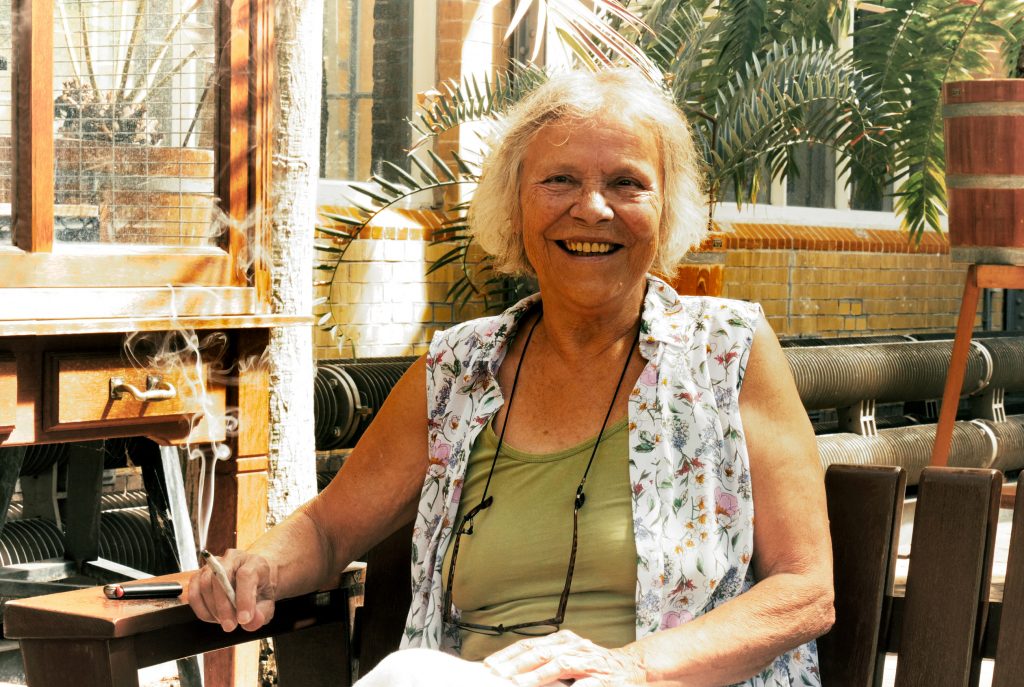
837 376
126 536
347 395
976 444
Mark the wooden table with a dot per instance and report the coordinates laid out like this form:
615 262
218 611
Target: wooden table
101 642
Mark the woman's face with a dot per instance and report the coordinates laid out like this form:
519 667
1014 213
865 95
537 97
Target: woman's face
590 195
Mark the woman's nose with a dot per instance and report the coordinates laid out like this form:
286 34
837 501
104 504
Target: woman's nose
591 206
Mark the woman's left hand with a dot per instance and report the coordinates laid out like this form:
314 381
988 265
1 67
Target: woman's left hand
540 661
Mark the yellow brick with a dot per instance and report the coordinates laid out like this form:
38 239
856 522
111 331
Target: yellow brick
830 323
738 275
801 275
737 258
802 325
776 275
779 325
876 322
776 258
806 306
774 308
813 291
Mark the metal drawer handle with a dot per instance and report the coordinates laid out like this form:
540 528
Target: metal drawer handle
157 389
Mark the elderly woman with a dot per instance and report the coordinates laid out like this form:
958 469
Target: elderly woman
583 469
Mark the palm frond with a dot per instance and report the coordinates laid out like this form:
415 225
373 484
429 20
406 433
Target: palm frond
798 92
913 48
599 32
456 103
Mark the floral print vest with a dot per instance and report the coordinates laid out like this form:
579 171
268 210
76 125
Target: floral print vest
692 506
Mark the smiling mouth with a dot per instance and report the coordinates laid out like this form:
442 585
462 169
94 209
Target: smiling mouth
588 248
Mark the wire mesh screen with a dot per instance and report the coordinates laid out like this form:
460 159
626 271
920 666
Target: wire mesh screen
134 121
6 103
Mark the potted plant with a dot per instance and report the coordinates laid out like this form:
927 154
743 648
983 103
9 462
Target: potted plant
911 49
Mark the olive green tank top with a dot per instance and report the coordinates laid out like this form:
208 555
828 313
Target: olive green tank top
512 568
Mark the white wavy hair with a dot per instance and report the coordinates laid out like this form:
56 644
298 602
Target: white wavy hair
495 218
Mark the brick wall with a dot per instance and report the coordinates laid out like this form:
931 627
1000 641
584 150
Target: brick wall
826 282
811 281
469 43
383 300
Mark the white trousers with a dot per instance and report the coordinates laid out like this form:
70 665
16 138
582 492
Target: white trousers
429 668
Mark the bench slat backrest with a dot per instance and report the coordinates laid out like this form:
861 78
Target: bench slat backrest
1009 665
938 633
864 508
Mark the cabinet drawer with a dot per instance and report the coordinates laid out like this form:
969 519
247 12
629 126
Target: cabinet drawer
84 390
8 392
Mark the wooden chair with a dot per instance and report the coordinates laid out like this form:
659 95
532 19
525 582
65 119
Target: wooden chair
865 505
941 627
1004 633
938 621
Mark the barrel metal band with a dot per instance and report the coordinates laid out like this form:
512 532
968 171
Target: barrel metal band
987 109
996 181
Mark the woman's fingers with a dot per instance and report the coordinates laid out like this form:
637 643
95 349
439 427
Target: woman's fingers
197 601
544 660
250 576
218 600
525 651
264 614
253 582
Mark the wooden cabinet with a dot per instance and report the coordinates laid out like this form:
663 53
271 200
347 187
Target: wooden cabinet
67 307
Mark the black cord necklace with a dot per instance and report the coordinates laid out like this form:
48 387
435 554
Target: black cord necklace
485 500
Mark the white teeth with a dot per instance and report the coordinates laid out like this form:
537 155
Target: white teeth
588 247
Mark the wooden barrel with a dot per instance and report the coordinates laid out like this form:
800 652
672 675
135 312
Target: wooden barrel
984 126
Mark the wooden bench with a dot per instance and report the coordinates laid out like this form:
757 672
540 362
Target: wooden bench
948 615
940 628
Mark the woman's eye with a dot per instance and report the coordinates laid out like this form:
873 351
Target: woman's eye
628 183
558 179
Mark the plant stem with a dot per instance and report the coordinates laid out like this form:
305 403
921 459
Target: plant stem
139 13
66 30
85 47
199 109
158 62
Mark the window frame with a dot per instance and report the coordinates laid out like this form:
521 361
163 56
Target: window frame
234 268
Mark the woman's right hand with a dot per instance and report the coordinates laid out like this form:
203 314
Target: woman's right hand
254 579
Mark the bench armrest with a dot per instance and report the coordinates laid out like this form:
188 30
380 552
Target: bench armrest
159 630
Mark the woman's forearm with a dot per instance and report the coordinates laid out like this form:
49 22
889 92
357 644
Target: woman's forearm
304 557
739 638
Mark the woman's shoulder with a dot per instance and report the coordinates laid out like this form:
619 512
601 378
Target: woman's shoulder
699 311
481 337
695 322
726 312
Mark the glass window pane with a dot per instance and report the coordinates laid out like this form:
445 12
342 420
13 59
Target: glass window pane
813 183
6 103
367 86
134 121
